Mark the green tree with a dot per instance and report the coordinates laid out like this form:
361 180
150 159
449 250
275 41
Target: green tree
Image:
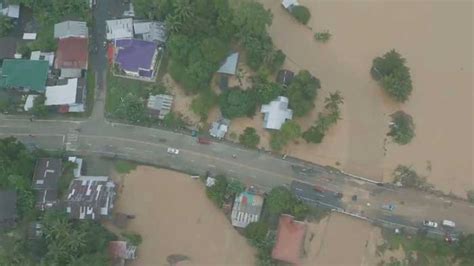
408 177
256 232
279 200
289 131
249 138
202 104
301 13
5 25
402 128
314 134
152 9
217 193
234 187
39 109
464 250
332 102
323 36
267 91
131 108
235 102
393 75
251 19
302 92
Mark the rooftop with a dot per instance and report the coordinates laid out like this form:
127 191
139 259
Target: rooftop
7 47
289 241
90 197
13 74
45 181
134 55
219 128
72 52
62 94
160 104
7 208
153 31
230 65
119 28
11 11
247 208
276 113
71 29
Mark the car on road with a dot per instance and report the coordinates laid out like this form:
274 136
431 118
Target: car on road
173 151
448 223
431 224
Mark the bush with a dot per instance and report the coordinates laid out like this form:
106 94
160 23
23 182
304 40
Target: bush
393 75
289 131
5 25
124 167
302 93
235 102
402 128
256 231
133 238
322 36
408 177
249 138
39 109
217 192
301 13
470 196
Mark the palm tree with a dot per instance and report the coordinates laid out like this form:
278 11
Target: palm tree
173 24
333 100
183 10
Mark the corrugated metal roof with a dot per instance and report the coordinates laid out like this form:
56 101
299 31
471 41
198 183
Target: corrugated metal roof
247 209
62 94
276 113
230 65
71 29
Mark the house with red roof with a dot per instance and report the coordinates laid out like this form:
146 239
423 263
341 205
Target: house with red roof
289 240
72 57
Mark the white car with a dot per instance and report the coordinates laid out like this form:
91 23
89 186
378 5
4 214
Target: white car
430 223
173 151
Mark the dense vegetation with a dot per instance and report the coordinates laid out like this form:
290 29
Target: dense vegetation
301 13
422 250
393 75
49 12
203 103
302 93
5 25
62 242
409 178
224 190
249 138
290 130
330 116
402 128
235 102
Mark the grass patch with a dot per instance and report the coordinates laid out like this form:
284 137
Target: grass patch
118 88
124 167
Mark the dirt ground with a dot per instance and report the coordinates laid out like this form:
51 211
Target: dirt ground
435 37
174 216
342 240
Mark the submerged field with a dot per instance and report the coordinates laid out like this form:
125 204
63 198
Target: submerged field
436 39
175 217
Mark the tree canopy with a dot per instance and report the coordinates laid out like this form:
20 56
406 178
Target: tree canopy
393 75
301 13
202 104
235 102
249 138
302 93
329 117
402 128
267 91
289 131
5 25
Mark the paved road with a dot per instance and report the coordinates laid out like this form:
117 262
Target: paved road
252 167
96 136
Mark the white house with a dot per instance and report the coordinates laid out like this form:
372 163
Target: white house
119 29
276 113
69 95
289 4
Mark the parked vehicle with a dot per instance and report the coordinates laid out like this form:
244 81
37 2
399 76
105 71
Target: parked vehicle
448 223
202 140
429 223
388 207
173 151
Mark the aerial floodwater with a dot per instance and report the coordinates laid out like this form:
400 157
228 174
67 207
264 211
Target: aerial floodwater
435 38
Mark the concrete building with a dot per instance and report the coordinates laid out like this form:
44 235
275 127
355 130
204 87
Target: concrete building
26 75
247 209
72 57
219 128
276 113
289 241
119 29
69 95
71 28
136 58
45 182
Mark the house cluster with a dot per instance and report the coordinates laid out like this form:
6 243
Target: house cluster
247 208
135 47
59 76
